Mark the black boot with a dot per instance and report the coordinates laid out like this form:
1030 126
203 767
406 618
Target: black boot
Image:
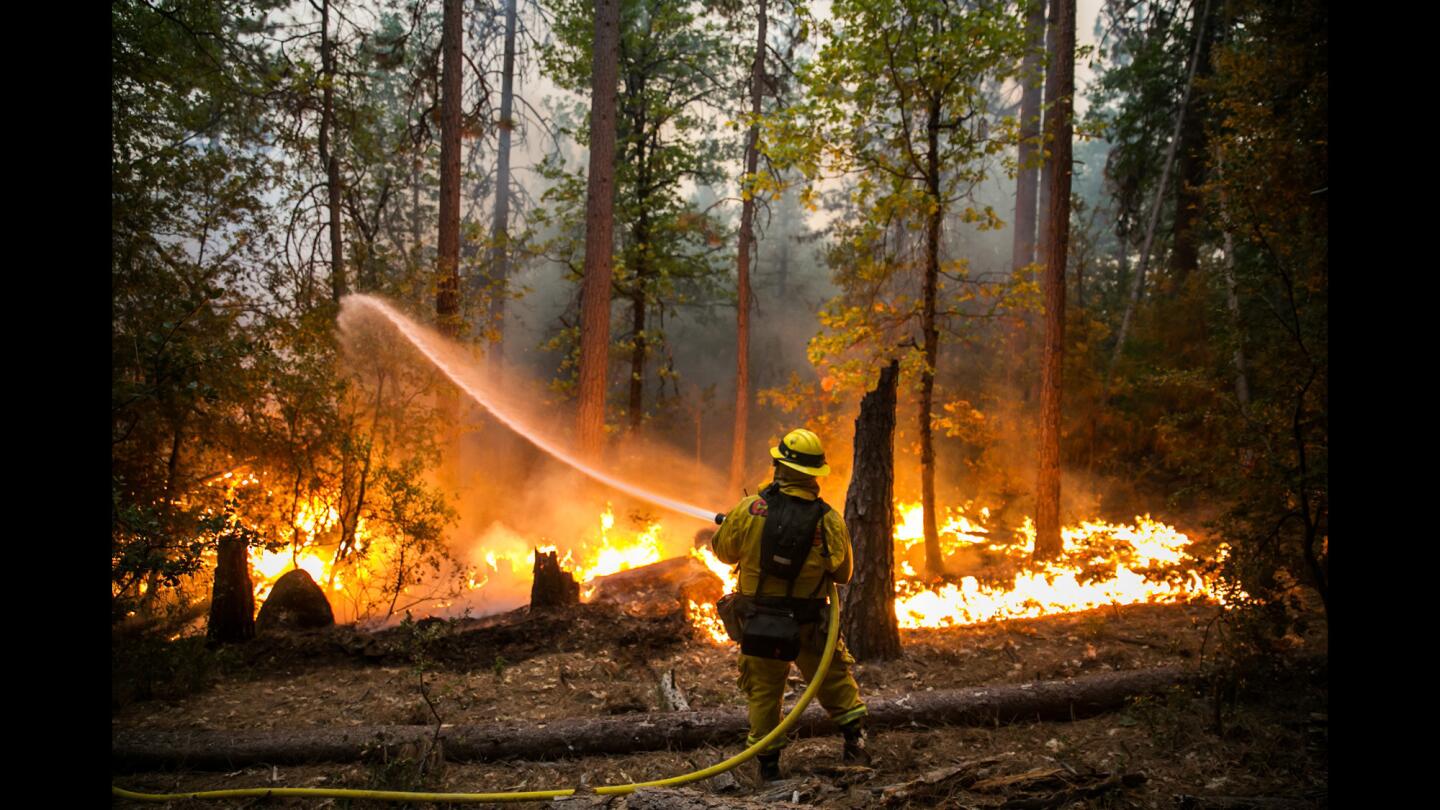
769 766
855 739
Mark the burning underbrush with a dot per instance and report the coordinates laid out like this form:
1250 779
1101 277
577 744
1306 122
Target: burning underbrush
989 570
990 573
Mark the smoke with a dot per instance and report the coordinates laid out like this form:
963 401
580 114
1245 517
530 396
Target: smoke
519 484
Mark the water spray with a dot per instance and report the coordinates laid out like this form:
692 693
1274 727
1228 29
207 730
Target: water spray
424 344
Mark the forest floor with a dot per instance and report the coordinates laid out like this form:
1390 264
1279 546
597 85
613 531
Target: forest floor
1271 743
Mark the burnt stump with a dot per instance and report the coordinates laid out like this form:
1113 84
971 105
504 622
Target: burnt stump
295 603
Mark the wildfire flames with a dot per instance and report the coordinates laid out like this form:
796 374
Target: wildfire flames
991 577
1102 564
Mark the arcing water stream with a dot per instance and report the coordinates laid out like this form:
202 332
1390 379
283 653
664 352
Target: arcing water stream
434 350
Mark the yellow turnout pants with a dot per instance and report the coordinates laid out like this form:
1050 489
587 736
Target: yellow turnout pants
763 681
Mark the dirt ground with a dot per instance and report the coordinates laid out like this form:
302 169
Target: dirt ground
1160 751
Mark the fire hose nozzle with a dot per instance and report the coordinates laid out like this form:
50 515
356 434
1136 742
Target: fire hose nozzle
719 518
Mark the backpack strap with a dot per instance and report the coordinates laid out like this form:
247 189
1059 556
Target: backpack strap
824 551
767 491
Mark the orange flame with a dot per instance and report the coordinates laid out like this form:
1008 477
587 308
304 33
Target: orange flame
1102 564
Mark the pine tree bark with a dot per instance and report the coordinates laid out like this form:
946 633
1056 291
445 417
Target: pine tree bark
868 615
599 235
739 434
500 227
934 563
1059 93
232 599
447 281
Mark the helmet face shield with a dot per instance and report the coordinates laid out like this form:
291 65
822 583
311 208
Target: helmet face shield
801 450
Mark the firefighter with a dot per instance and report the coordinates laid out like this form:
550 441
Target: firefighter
798 460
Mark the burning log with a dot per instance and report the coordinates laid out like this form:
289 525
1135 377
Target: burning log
553 586
142 749
295 602
658 588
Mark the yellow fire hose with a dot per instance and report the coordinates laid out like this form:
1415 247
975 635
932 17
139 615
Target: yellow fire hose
786 724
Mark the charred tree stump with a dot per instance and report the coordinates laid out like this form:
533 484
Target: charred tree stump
985 706
232 601
552 586
671 696
868 619
295 603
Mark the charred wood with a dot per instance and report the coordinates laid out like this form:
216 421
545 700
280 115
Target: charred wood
232 600
295 603
868 619
553 586
671 698
659 587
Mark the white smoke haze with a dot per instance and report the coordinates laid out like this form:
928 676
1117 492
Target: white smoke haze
515 496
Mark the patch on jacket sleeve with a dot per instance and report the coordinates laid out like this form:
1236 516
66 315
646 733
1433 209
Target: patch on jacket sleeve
758 507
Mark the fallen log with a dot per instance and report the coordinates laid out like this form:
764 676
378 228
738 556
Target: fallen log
146 749
660 587
1186 802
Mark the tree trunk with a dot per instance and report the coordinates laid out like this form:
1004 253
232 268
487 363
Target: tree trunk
739 433
172 473
1232 297
415 237
983 706
1025 353
1138 284
1032 69
232 601
327 155
552 586
868 619
1052 26
933 562
447 280
599 235
500 229
1185 254
1059 92
640 238
638 349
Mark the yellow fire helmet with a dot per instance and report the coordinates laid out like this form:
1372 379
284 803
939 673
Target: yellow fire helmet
801 450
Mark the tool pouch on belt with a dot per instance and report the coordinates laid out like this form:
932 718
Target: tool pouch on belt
771 633
734 610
